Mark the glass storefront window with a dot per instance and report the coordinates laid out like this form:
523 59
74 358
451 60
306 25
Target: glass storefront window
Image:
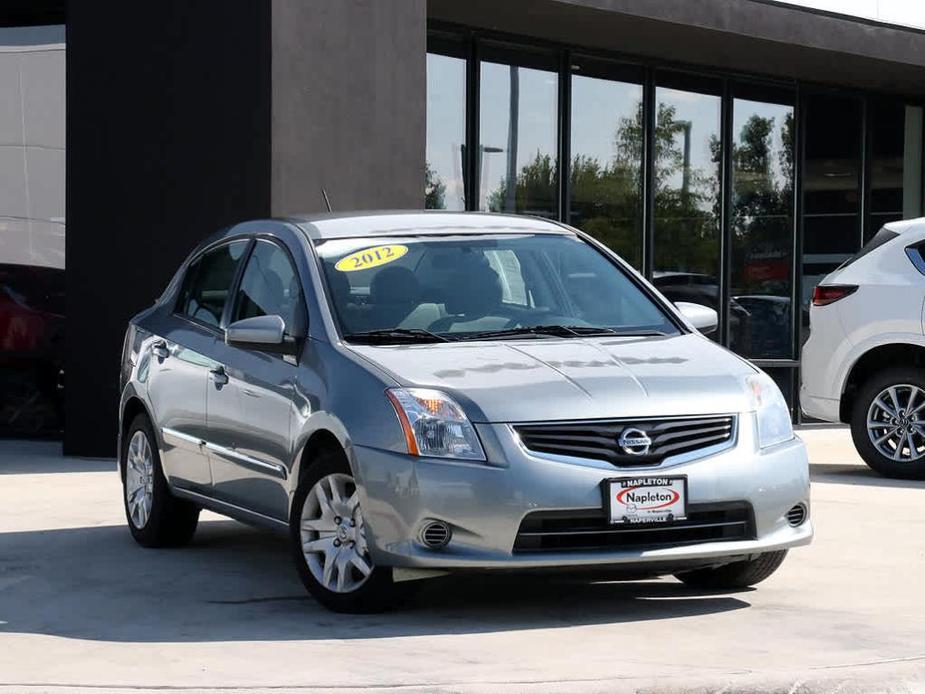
517 156
831 186
32 230
761 282
687 161
895 163
446 133
605 172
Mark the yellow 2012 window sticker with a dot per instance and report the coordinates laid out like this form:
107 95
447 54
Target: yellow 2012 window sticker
370 257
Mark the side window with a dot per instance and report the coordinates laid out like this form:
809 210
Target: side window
208 283
270 286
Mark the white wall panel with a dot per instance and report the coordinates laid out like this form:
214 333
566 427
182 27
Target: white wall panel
32 147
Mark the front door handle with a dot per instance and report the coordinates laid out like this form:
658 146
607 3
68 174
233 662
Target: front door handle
159 350
219 377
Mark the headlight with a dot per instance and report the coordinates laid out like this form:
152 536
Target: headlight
434 425
771 410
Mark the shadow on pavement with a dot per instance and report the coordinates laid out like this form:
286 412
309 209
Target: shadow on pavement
236 583
44 457
834 473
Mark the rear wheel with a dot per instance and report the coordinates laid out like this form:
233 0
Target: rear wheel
888 423
155 517
739 574
329 541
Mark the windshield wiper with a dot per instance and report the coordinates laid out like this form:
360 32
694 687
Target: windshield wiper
542 330
396 335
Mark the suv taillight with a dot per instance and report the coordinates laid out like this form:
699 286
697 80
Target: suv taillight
825 294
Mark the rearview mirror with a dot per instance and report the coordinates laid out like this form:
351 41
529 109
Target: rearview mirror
267 333
703 318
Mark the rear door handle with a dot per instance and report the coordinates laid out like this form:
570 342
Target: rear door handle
160 350
219 377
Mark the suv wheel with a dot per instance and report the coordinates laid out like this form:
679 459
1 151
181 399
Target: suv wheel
155 517
888 423
739 574
329 541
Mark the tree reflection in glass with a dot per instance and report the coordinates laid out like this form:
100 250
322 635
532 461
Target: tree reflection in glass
605 177
518 130
762 229
687 160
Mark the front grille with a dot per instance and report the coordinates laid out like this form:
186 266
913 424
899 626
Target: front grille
556 531
599 439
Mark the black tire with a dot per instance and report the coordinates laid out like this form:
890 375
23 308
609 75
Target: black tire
869 390
378 593
172 521
739 574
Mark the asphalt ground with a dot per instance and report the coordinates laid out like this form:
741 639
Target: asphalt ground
83 609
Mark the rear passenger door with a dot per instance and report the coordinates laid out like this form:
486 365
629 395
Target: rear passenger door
180 364
250 404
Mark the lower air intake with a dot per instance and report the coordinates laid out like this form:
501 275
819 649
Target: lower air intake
797 515
435 534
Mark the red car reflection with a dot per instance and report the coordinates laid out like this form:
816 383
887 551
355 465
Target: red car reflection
31 350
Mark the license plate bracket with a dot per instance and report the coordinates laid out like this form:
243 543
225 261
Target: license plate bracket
645 499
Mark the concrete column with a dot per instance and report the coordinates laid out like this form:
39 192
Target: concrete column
349 104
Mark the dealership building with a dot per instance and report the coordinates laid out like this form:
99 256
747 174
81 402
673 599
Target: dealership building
734 151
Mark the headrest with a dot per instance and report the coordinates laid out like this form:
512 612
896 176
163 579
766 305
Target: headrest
339 286
473 292
394 285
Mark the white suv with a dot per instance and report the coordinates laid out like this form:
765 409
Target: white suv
864 362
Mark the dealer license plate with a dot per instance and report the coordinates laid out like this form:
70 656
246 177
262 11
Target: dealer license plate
646 499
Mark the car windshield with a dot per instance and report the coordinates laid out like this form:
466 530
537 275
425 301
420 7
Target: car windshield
459 287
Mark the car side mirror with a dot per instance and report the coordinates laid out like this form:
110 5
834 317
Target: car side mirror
265 333
703 318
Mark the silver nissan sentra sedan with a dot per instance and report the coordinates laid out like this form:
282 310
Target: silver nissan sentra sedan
413 393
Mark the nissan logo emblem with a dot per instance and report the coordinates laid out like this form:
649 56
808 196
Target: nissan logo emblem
634 441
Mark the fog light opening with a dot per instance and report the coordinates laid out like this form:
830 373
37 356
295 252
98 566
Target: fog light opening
436 534
797 515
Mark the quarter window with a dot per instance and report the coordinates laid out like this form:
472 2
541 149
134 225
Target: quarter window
270 286
208 282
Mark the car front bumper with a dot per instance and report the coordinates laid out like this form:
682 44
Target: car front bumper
484 504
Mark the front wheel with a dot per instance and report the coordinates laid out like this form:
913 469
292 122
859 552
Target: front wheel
739 574
329 541
155 517
888 423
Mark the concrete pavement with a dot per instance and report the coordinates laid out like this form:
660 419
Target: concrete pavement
82 608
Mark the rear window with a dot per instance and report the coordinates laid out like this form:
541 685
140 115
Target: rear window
881 237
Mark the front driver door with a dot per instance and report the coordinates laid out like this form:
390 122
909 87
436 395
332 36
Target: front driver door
249 399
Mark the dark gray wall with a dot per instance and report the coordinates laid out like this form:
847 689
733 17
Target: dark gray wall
746 36
349 104
168 139
188 115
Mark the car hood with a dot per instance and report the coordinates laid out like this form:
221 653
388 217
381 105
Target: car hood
561 379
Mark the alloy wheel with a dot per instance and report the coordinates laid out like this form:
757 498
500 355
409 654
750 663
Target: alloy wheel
896 423
334 536
139 479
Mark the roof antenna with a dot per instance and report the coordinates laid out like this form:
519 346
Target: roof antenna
327 202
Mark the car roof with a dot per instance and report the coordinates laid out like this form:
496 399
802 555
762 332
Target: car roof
421 222
903 225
